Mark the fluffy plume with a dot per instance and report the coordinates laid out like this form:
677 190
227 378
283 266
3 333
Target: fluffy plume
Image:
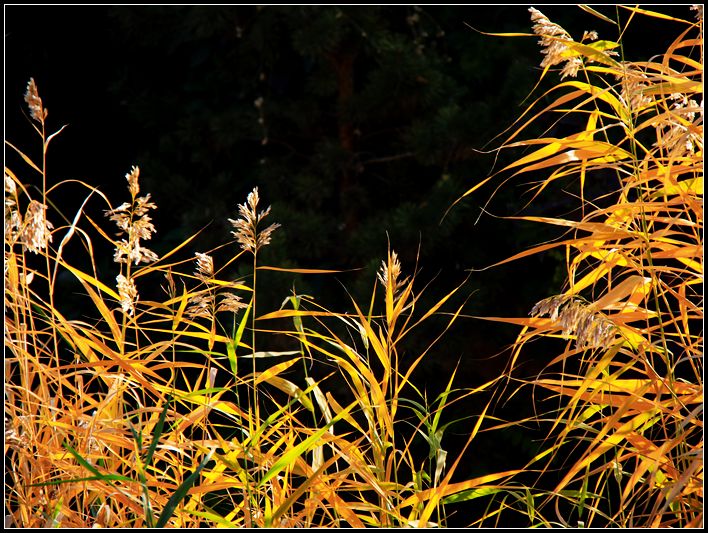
390 272
128 294
554 40
133 185
698 8
13 219
205 266
231 302
682 132
634 84
37 111
36 229
554 47
246 227
201 305
592 329
132 218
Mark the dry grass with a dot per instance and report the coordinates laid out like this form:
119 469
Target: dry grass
163 412
626 388
172 411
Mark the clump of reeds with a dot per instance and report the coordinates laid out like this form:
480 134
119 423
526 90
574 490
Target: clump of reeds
626 435
141 413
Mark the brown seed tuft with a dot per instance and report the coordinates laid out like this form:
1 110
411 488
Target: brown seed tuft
133 184
132 218
37 111
205 266
553 40
390 272
231 302
246 227
36 229
201 305
128 294
575 317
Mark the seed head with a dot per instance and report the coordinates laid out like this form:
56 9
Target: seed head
205 266
128 294
390 272
246 227
37 111
231 302
553 40
574 316
132 218
36 229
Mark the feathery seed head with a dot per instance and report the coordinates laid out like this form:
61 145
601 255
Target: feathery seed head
10 187
205 266
246 227
133 184
36 229
231 302
128 294
591 328
201 305
13 219
390 271
682 132
132 218
634 85
37 111
171 289
698 8
553 40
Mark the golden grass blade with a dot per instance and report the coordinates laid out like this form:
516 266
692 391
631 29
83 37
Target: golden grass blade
594 51
599 15
23 156
376 343
321 400
324 492
635 287
157 265
436 494
589 152
292 313
297 451
599 394
205 334
654 14
183 301
270 376
106 313
602 443
302 270
339 410
90 279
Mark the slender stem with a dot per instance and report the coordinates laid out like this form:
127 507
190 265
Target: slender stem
253 332
50 285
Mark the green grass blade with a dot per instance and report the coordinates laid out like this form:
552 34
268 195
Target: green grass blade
301 448
181 492
158 432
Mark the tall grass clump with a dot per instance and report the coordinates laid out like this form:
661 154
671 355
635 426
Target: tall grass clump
152 395
622 398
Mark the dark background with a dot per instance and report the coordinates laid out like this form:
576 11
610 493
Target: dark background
372 122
